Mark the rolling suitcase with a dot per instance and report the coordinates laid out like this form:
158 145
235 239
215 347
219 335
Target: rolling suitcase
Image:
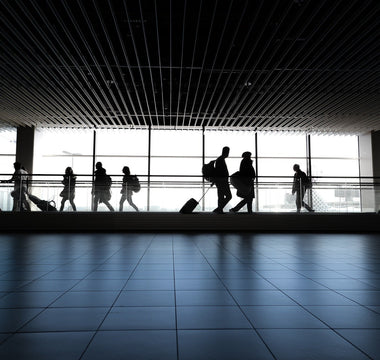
191 204
43 204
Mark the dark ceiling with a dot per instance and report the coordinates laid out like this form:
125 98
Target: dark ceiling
288 65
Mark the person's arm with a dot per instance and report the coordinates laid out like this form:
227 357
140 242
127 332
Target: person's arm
303 179
294 189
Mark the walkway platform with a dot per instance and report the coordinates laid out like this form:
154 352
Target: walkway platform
159 221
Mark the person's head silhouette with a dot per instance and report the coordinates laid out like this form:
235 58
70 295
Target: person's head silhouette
98 165
126 170
225 152
17 165
69 171
296 167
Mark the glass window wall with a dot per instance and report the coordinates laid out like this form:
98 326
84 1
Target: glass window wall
175 153
7 158
335 168
176 163
7 151
54 151
277 153
118 148
238 142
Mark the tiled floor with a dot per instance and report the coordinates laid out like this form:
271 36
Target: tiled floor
189 296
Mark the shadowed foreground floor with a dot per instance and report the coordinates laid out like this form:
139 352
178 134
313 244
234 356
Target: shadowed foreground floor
189 296
169 221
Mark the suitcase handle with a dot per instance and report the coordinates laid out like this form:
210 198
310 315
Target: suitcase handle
204 194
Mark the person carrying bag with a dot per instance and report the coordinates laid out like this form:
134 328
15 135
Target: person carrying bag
243 181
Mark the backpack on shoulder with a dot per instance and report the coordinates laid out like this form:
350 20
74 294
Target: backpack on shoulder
308 184
134 183
237 181
108 181
209 171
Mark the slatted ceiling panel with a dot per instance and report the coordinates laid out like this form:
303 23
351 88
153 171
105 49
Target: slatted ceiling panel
285 65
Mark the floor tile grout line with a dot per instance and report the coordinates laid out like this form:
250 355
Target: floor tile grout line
304 308
319 283
336 291
190 328
48 306
323 322
238 305
330 289
55 269
43 308
242 261
175 300
117 297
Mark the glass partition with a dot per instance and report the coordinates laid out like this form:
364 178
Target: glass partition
237 141
172 174
7 158
334 156
119 148
176 163
277 153
335 167
116 148
56 149
7 150
171 194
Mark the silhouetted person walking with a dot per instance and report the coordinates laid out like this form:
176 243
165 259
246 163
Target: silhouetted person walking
300 183
20 189
68 192
102 188
221 181
126 189
246 178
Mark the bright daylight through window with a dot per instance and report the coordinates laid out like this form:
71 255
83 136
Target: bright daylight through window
169 162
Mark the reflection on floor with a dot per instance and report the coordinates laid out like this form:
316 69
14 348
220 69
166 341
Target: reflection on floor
189 296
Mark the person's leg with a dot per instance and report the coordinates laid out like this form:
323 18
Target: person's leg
219 194
24 202
228 195
121 203
306 206
130 201
96 202
238 206
298 201
225 195
104 198
16 200
62 204
110 207
249 200
72 204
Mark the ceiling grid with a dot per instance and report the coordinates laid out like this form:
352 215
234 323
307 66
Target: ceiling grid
309 66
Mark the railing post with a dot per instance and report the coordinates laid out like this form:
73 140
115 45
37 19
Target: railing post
93 170
203 162
308 161
257 175
149 155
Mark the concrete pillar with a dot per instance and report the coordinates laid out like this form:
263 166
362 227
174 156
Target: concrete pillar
376 153
25 147
376 165
369 162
